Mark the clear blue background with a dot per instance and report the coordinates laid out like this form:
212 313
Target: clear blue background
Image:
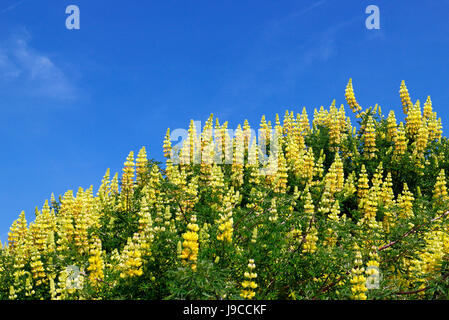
75 102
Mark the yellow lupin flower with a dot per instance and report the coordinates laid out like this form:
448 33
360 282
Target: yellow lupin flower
304 125
369 138
167 146
427 112
335 129
440 190
422 139
37 267
128 181
362 183
310 240
307 165
96 264
400 141
281 175
249 284
350 98
349 186
391 125
405 98
358 280
386 195
225 223
309 208
18 231
405 202
318 168
141 165
105 188
372 270
413 120
190 244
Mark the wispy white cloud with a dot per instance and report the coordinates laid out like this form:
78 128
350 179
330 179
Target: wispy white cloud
281 57
12 7
32 72
309 8
278 26
324 45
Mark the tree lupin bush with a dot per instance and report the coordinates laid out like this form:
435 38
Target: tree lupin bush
340 213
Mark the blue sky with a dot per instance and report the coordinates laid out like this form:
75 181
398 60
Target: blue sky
75 102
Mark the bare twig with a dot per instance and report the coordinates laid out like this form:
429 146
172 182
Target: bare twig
412 230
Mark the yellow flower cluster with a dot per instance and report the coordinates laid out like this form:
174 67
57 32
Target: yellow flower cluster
369 138
128 181
96 264
358 280
309 183
310 240
248 284
400 141
141 166
430 258
350 98
405 97
391 125
372 270
190 243
440 189
131 258
405 202
226 221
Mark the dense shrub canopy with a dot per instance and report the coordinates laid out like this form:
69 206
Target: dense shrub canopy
303 209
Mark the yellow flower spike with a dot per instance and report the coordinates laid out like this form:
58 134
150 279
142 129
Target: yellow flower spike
310 241
349 186
413 120
131 261
96 263
318 168
357 280
190 244
405 202
128 181
400 141
304 121
350 98
335 128
427 112
306 166
405 97
248 285
440 190
167 146
391 125
114 184
18 231
309 208
37 267
105 188
422 139
281 174
369 137
362 183
141 165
